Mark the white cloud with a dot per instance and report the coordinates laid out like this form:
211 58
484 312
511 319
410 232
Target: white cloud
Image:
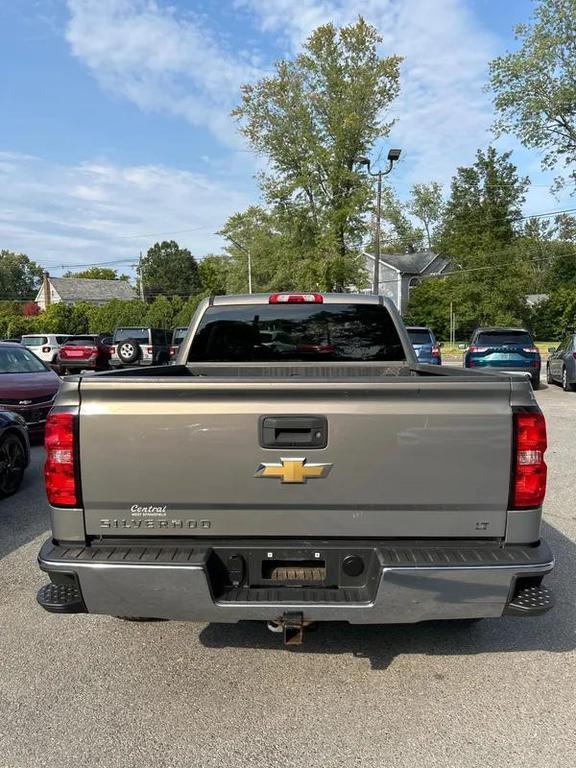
159 60
91 212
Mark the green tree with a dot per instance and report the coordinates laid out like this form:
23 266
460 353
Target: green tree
213 273
160 313
97 273
401 235
19 276
312 119
169 270
535 87
480 234
427 206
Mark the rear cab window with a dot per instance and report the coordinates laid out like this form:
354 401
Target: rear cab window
296 333
34 341
503 338
141 335
81 341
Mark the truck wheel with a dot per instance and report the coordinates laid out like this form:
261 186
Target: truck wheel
535 381
549 379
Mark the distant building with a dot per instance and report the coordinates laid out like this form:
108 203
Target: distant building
399 272
71 290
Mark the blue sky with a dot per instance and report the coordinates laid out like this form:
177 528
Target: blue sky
114 114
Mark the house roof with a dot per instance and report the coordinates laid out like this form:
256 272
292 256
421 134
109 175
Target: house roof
414 263
83 289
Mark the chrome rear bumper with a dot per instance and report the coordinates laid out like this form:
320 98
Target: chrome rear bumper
407 584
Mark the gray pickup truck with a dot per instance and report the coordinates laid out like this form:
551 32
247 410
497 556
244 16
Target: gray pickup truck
296 465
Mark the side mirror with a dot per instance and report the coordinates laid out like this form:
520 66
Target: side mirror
462 346
551 350
440 343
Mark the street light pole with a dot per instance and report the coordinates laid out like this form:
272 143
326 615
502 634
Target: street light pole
393 155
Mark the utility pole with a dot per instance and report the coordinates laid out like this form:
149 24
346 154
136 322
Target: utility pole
141 276
393 155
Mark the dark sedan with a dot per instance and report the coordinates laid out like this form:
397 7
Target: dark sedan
14 452
561 367
27 385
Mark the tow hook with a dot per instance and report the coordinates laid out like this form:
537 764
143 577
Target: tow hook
292 626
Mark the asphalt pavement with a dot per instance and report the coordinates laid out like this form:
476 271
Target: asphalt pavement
96 691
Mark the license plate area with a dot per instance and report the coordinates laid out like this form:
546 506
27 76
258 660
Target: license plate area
297 572
334 572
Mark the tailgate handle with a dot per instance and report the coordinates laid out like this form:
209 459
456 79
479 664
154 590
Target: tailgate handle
293 431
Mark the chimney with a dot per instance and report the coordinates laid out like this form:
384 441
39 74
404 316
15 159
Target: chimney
46 285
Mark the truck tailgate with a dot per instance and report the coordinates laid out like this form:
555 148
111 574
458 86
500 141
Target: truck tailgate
407 457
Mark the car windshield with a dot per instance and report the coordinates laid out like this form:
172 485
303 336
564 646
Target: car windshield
18 360
141 335
34 341
419 336
296 332
506 338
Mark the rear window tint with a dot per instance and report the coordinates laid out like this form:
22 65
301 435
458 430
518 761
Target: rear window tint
34 341
496 338
419 336
81 342
141 335
296 332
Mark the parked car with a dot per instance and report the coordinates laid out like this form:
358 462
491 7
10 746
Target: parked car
140 346
84 353
178 335
296 486
509 349
14 452
561 365
27 385
45 346
425 345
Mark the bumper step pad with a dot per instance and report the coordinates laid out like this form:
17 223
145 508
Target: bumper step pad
530 601
61 598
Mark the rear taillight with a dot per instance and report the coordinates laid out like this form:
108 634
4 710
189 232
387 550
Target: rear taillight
478 349
574 355
46 349
173 351
60 467
296 298
529 466
435 351
150 350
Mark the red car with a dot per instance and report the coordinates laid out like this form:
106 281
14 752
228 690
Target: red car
27 385
88 352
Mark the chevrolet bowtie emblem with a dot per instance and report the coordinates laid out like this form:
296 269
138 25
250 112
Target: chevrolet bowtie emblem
293 470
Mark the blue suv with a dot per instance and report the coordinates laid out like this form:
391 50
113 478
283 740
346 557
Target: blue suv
425 345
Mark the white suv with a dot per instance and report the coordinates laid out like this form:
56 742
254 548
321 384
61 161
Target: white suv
45 346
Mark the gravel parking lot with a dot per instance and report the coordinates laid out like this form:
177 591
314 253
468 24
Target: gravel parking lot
91 691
